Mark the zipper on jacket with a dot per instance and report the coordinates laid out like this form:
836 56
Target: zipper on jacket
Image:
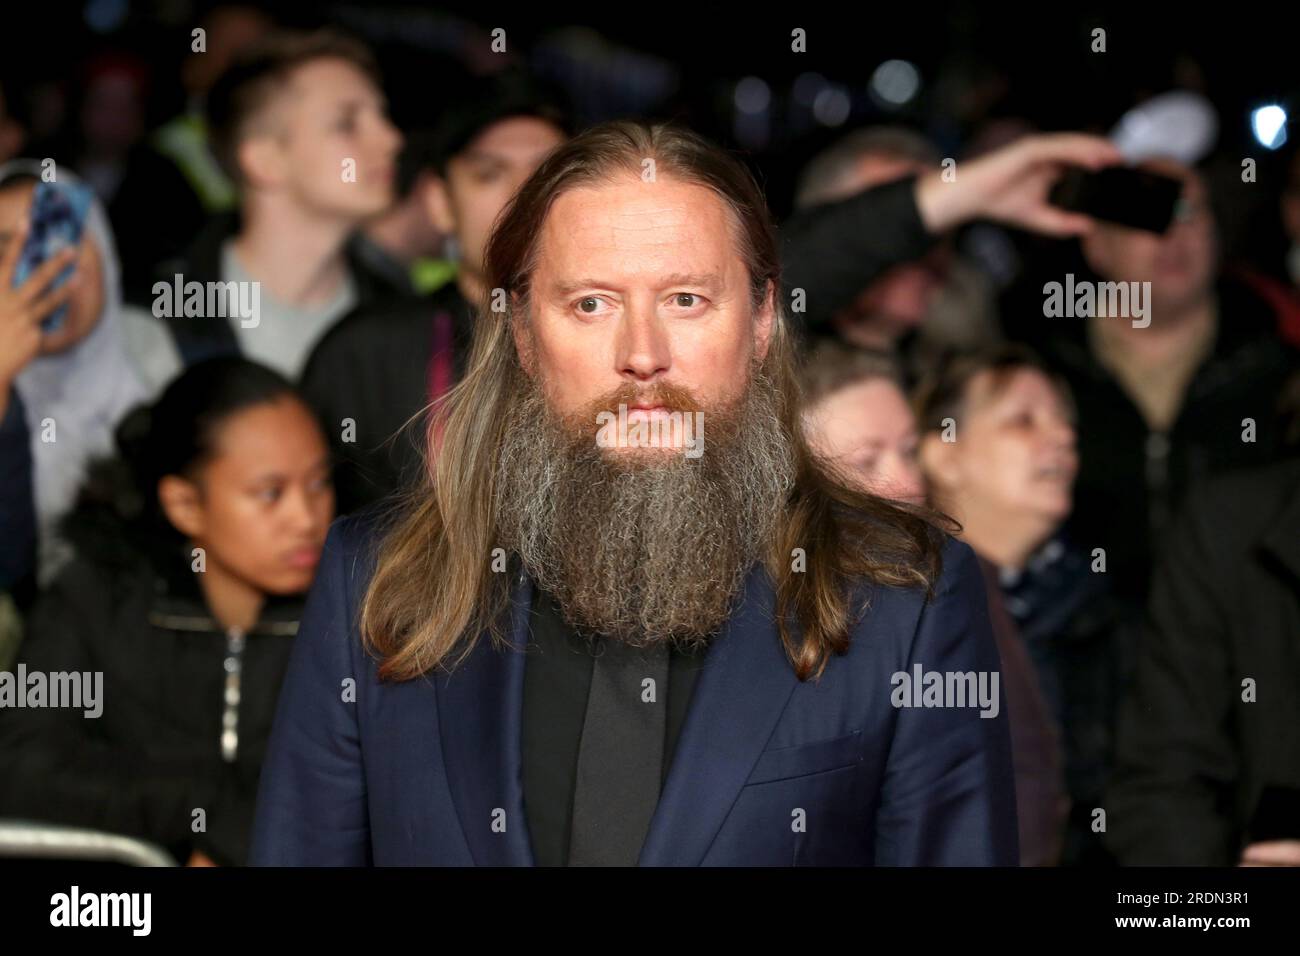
230 713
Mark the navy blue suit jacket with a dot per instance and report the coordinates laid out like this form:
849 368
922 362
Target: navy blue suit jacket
768 770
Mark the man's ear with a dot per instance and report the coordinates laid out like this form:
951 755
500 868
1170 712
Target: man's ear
437 205
261 160
765 322
180 503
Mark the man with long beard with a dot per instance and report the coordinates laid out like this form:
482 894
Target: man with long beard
576 650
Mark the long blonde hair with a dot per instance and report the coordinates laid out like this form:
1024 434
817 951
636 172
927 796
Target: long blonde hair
434 590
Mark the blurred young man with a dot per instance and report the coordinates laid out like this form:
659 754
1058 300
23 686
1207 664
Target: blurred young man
379 367
916 308
300 123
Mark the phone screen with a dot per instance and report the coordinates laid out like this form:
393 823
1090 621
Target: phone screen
58 218
1121 194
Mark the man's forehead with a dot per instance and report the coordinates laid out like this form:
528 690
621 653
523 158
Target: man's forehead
674 229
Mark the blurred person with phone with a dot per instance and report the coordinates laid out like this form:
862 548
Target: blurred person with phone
65 379
1185 391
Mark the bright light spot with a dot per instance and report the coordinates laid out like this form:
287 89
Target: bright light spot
1269 126
895 82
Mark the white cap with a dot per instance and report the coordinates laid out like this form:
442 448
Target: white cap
1179 125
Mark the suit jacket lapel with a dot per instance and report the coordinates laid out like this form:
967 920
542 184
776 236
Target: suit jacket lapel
740 694
480 711
738 698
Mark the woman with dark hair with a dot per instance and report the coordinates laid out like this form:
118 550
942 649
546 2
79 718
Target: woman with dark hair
174 620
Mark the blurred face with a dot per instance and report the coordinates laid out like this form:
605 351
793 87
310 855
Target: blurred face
895 303
484 176
263 502
640 296
329 116
868 429
1014 453
87 302
1179 265
899 299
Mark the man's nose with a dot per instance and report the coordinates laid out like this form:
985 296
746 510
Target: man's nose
644 351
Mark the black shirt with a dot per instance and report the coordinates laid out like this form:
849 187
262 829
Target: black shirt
557 681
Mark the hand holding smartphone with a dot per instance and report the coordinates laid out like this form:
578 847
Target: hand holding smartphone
57 222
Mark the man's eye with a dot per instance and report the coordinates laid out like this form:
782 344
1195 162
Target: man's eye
589 305
269 495
686 300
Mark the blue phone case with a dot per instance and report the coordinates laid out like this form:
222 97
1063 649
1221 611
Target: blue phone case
58 219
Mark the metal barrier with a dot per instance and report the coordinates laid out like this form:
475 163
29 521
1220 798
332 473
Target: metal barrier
33 840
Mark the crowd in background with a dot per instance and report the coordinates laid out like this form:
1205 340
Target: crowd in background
167 475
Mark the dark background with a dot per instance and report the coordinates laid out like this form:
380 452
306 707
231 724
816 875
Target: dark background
977 62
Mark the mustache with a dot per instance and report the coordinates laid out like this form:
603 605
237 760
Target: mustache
674 397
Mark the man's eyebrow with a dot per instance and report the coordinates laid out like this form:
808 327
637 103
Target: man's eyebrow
704 280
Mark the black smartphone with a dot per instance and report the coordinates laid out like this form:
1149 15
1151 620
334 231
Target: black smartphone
1277 815
1121 194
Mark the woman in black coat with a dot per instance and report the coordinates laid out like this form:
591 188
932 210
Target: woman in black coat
178 612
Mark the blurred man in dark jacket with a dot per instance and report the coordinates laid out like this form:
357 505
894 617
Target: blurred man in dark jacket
1208 768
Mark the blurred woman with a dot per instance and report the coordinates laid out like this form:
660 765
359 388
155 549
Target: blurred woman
61 393
193 552
858 419
998 454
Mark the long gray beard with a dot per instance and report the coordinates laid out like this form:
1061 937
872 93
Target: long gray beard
644 550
